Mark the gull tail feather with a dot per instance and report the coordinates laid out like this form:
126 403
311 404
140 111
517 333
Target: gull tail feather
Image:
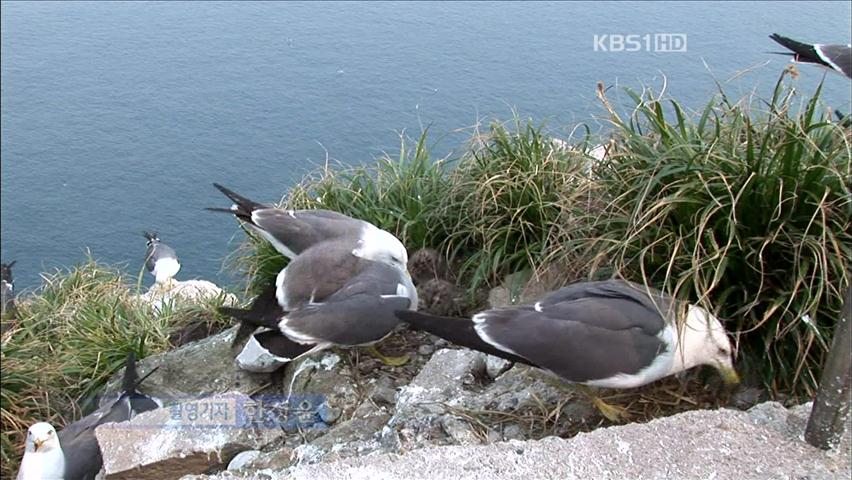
460 331
243 205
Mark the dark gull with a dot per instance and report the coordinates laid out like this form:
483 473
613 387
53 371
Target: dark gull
835 57
612 334
73 453
345 279
292 231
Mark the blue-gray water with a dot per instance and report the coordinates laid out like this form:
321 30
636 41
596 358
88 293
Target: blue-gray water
116 117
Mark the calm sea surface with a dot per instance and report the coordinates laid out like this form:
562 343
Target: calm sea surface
117 117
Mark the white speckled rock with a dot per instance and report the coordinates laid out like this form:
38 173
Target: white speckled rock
194 438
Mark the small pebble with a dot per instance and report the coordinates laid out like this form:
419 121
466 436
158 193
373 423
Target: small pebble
426 349
328 414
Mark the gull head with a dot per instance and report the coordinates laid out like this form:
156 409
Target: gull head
41 437
704 341
380 246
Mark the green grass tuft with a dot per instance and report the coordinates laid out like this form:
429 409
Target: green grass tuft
744 206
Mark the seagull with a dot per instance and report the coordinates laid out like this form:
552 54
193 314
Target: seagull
359 311
160 259
835 57
611 334
73 453
345 279
7 288
292 231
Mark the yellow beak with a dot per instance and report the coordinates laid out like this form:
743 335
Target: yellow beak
729 375
38 443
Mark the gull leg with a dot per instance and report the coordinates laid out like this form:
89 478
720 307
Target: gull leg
612 413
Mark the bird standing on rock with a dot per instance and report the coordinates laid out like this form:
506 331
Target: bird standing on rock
160 259
345 280
73 453
612 334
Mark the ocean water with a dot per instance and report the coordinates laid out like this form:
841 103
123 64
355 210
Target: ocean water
117 117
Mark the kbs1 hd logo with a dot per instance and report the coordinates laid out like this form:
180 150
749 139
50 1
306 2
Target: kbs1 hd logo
656 42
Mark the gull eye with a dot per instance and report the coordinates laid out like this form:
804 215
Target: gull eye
723 351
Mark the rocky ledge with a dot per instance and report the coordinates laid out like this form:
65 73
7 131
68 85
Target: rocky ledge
450 413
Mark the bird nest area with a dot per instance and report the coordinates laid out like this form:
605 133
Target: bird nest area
541 418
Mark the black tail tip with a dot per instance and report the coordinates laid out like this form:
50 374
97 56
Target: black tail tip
129 382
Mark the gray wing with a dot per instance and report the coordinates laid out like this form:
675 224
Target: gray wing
298 230
359 313
639 306
319 272
156 252
839 56
82 454
579 340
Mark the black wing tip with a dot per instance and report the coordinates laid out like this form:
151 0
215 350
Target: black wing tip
128 384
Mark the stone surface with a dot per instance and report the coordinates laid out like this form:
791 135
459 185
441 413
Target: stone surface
192 437
190 291
495 366
422 404
703 444
195 370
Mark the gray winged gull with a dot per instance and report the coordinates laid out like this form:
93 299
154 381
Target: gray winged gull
7 290
345 280
293 231
325 297
73 453
835 57
612 334
160 259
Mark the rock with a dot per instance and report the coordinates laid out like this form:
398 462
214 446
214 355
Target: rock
195 370
188 438
524 389
278 459
459 430
243 458
329 414
513 431
439 385
356 436
383 391
175 292
437 297
254 358
699 444
494 366
425 349
746 397
440 380
326 377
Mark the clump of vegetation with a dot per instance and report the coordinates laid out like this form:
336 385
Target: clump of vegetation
69 338
744 207
510 196
404 195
